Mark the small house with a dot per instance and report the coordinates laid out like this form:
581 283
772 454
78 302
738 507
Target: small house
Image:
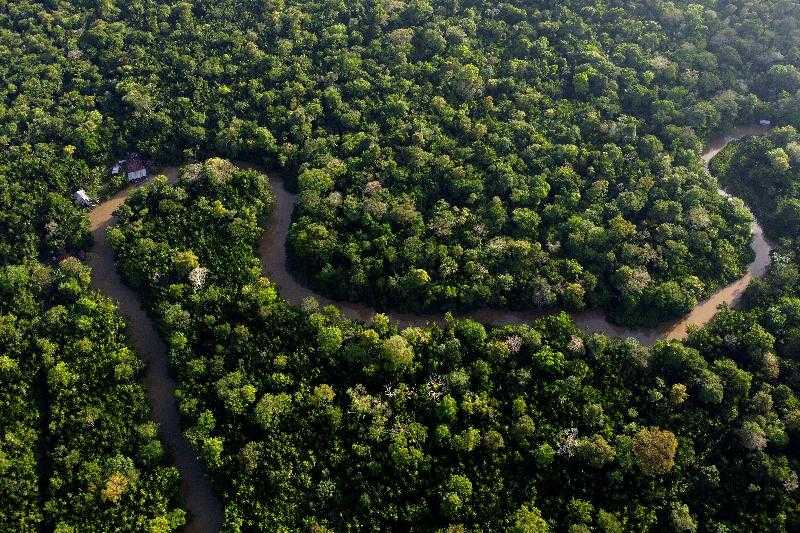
765 122
133 167
136 171
82 199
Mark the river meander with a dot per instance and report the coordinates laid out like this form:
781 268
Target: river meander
204 508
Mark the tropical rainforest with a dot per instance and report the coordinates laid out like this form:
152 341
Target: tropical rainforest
309 420
446 155
78 449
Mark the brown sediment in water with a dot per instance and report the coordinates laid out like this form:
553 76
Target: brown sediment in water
204 508
732 293
205 511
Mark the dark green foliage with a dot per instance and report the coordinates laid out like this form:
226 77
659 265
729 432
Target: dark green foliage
19 415
79 452
307 419
35 223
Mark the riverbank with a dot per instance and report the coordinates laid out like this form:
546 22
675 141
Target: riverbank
272 249
205 510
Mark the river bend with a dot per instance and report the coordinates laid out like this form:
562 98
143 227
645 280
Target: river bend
272 250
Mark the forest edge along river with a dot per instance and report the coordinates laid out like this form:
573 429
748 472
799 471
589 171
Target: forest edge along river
204 508
272 250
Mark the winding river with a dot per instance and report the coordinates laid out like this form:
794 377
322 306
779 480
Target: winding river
205 510
204 507
272 250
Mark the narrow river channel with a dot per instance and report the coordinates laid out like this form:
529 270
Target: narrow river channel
204 508
272 250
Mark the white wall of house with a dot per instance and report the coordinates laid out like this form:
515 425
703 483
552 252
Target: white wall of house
137 175
82 199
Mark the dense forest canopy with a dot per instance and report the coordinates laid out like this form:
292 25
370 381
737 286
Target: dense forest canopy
309 420
78 451
446 155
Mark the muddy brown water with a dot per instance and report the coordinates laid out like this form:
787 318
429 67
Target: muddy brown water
204 508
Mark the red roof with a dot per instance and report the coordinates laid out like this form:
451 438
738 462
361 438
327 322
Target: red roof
135 165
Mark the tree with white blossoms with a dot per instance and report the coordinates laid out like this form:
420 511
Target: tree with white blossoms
372 187
514 343
752 436
197 277
567 439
